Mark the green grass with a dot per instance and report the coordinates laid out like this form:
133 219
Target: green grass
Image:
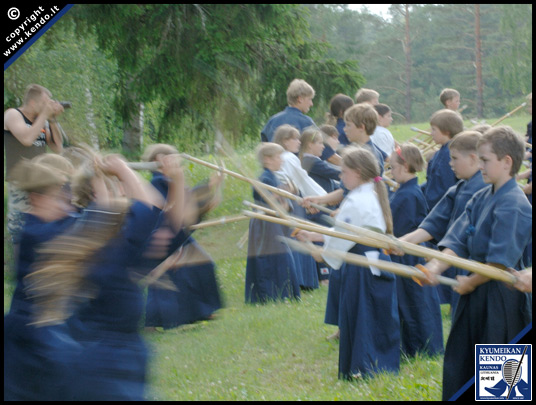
276 351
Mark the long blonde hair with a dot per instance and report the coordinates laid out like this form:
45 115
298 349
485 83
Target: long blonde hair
364 162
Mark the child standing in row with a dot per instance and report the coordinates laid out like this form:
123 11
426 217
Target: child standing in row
368 314
382 137
465 164
495 228
300 96
270 270
35 366
445 125
292 172
337 107
311 148
197 296
450 98
421 327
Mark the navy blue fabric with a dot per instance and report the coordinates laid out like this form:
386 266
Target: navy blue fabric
291 116
368 320
421 326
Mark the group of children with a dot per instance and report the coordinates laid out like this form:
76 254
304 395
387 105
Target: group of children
110 228
470 206
90 240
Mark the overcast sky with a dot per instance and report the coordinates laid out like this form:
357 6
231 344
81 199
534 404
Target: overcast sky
380 9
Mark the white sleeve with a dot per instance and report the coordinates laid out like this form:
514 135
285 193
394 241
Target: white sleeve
308 187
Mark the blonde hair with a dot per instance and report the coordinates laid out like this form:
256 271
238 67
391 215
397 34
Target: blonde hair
363 114
268 149
466 142
366 95
309 136
57 162
299 88
481 128
363 161
410 155
448 94
34 91
284 133
152 151
449 122
329 130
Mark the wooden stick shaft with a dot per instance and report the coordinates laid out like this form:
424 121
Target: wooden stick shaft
377 240
421 251
421 131
509 114
360 260
255 182
220 221
144 165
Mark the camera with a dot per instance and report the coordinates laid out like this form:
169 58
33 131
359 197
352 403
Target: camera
66 104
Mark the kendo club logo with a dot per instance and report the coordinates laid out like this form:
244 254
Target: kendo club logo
503 372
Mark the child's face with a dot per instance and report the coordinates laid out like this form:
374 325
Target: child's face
316 148
439 137
453 103
494 171
350 178
464 165
385 120
273 163
304 104
333 141
354 133
292 144
398 170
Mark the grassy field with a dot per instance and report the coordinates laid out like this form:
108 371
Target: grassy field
276 351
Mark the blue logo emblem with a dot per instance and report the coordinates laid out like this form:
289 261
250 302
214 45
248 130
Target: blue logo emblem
503 372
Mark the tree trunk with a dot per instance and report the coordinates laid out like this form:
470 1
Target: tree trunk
90 117
133 131
478 65
407 53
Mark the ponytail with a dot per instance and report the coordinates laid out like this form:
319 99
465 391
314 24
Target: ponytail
363 160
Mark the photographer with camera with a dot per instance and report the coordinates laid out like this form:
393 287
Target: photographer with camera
27 132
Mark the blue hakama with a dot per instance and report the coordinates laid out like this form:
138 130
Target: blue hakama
368 320
113 362
270 269
197 294
35 358
421 326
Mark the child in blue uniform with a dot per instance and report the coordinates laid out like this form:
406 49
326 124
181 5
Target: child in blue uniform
113 361
270 270
421 327
311 148
337 106
35 357
300 96
465 164
292 172
368 310
495 228
197 295
445 125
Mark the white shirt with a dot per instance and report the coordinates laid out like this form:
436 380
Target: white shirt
383 139
361 207
292 168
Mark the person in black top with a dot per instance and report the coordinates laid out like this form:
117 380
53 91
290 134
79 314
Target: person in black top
28 130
